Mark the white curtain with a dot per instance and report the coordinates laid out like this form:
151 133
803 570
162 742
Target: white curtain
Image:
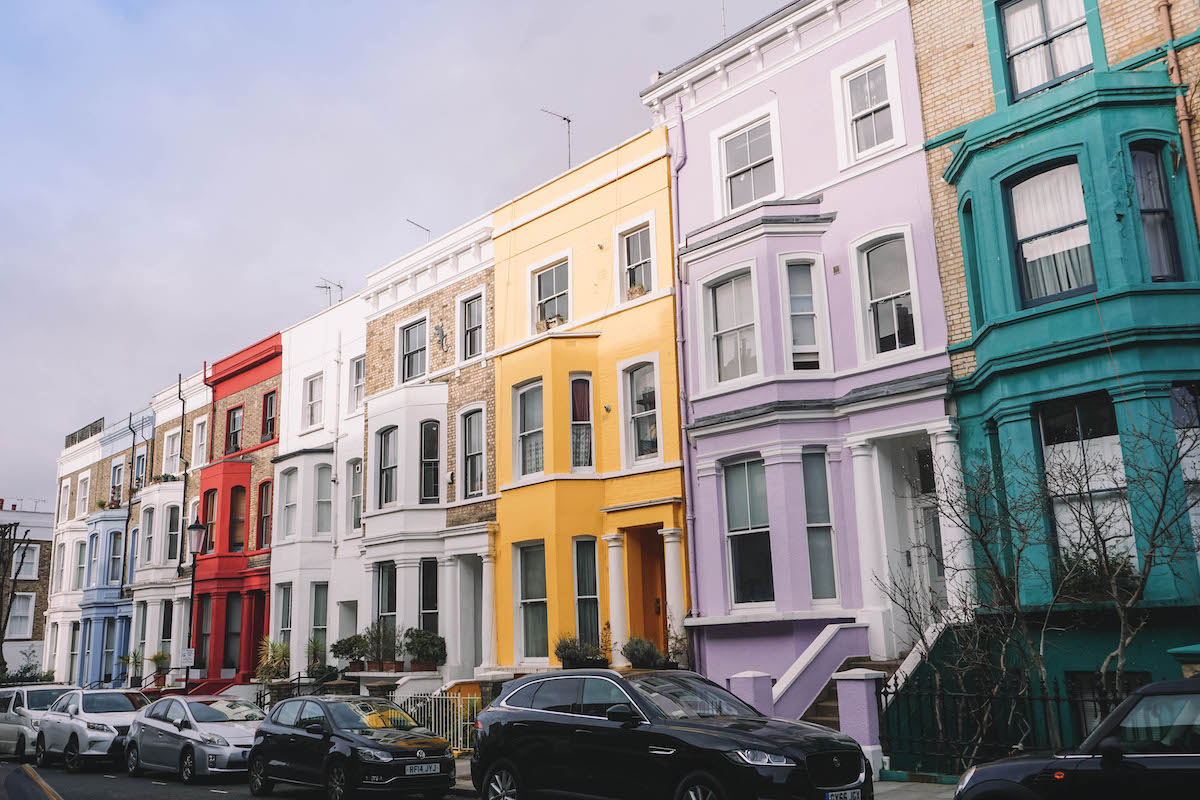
1023 25
1046 202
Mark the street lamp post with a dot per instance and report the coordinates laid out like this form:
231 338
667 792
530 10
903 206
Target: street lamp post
197 534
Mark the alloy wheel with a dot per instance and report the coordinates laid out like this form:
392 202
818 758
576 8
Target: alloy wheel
20 751
502 786
131 760
699 792
40 758
187 767
71 757
336 784
259 785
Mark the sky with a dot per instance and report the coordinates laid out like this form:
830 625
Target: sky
176 177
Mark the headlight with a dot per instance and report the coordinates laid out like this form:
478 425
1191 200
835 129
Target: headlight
965 779
367 754
761 758
214 740
35 722
99 726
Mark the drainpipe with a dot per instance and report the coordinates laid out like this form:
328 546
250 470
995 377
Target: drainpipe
685 415
186 466
1182 114
212 410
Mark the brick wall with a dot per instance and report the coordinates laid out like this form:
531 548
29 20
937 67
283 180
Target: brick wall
261 468
1131 27
952 63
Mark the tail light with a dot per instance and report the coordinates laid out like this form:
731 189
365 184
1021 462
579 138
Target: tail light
478 725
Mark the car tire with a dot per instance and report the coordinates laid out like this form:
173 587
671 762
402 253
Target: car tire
699 786
502 782
187 767
260 785
72 759
133 761
41 758
337 781
19 753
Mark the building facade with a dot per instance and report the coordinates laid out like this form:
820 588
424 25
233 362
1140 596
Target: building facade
1063 175
814 340
587 437
33 542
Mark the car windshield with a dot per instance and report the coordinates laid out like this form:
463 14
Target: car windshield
112 702
224 711
358 715
40 699
687 697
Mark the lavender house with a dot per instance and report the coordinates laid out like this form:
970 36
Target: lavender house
814 342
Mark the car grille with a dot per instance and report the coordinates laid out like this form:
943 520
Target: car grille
830 770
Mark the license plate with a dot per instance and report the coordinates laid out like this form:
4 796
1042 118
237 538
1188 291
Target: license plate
848 794
422 769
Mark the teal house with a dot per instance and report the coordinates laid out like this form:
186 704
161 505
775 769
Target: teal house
1077 223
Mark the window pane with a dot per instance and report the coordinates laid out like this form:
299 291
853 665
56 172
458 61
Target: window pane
887 269
1161 724
1048 201
764 179
531 409
1022 23
585 567
859 95
533 572
747 351
864 133
560 694
816 489
600 695
906 330
737 510
723 306
800 284
883 124
646 435
757 474
821 567
727 356
1071 51
760 142
751 556
1031 69
737 153
804 330
877 85
741 190
537 640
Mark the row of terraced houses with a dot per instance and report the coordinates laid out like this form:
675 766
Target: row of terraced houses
694 389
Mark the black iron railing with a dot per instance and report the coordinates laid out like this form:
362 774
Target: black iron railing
297 685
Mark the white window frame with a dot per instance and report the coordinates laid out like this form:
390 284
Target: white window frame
625 409
531 273
518 434
312 402
354 467
519 603
704 314
199 441
378 467
83 488
140 462
167 532
288 479
60 567
358 389
591 423
461 442
148 535
289 607
861 295
177 433
816 262
93 567
422 499
116 479
622 230
17 633
575 582
79 567
721 200
836 600
460 327
729 536
64 500
398 368
318 501
28 547
839 78
115 558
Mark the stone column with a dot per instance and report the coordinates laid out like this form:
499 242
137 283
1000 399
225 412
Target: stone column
488 612
448 615
408 599
872 550
1018 446
858 710
153 634
957 548
617 614
673 564
246 655
96 654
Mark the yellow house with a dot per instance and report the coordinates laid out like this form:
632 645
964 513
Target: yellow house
591 540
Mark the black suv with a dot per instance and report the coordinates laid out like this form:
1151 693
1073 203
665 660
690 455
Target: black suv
654 734
1149 746
347 745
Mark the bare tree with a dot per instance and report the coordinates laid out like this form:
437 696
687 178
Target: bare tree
11 548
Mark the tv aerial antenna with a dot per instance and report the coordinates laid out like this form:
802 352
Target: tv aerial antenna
567 120
328 286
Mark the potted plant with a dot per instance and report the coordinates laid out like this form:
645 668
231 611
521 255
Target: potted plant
101 504
428 650
352 648
274 664
162 661
133 663
381 647
574 654
634 292
642 653
318 670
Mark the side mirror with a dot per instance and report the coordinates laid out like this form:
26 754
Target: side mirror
621 713
72 710
315 728
1111 752
182 724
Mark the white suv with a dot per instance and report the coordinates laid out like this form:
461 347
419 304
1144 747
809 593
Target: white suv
87 724
21 709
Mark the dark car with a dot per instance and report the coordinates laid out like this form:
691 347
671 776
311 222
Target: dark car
653 734
1149 746
349 745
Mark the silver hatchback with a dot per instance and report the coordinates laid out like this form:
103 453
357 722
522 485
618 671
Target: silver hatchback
192 736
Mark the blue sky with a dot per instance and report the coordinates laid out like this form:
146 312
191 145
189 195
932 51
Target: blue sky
176 176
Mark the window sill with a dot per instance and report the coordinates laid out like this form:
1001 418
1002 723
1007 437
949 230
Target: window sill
313 429
873 153
737 209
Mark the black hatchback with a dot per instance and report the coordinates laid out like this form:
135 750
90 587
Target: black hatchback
654 734
349 745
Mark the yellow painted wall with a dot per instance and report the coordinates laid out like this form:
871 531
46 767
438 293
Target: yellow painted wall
579 213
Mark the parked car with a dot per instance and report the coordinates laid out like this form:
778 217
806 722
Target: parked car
21 709
1149 746
192 736
87 725
349 745
653 734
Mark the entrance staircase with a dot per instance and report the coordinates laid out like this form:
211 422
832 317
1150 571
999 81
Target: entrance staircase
209 686
824 710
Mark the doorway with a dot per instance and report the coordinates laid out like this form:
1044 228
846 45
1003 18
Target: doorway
646 585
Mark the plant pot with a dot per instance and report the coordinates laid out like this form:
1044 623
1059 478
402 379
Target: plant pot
390 666
668 665
374 666
358 666
585 663
160 679
634 292
422 666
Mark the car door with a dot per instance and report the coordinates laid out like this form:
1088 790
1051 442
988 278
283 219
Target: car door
8 732
546 753
310 749
276 745
613 759
172 737
55 722
149 734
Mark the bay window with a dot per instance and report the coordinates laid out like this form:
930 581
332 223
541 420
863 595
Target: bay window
581 422
890 301
535 636
733 334
1053 247
430 462
529 428
748 532
324 498
386 449
1154 205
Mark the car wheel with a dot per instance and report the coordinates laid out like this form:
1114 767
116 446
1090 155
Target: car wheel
40 757
502 782
337 782
72 760
699 786
260 786
133 762
187 766
19 753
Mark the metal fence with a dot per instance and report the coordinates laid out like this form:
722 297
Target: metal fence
924 726
451 717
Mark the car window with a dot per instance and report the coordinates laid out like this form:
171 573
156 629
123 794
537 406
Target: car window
223 710
685 696
40 699
17 700
174 712
60 705
287 714
523 697
5 701
1168 723
312 714
112 702
364 714
599 695
155 711
558 694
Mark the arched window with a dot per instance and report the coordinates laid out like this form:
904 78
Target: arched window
147 535
643 411
430 462
1154 203
471 441
1052 242
116 540
133 540
889 295
237 519
354 470
210 519
264 515
387 465
94 547
287 498
324 498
